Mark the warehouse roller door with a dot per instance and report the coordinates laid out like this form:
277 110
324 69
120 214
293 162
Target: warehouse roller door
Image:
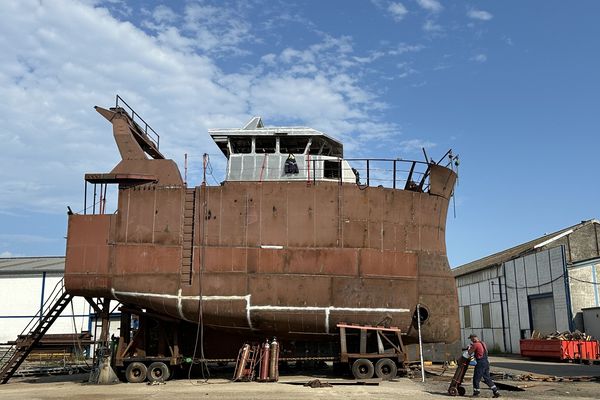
541 312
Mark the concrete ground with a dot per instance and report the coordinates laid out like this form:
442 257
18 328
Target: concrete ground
291 386
520 365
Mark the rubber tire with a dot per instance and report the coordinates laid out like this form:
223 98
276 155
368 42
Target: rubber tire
383 365
158 372
452 391
136 372
362 369
461 390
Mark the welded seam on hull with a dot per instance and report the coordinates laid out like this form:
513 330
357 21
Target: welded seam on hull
329 309
180 299
179 306
249 307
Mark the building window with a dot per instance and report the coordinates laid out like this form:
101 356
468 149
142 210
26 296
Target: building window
467 316
486 315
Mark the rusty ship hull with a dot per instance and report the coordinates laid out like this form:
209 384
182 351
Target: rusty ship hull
290 259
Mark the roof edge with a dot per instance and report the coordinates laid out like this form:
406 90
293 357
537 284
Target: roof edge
525 247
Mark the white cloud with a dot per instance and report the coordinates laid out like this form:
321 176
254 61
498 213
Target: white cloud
480 58
479 15
398 11
51 75
405 48
6 254
405 70
415 145
163 13
431 5
217 29
432 27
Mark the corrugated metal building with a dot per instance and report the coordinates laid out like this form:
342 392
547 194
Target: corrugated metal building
25 285
540 285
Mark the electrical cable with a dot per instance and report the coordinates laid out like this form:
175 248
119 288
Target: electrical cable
209 169
584 281
506 285
200 325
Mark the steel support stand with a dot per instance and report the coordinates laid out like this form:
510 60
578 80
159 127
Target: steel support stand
420 343
102 372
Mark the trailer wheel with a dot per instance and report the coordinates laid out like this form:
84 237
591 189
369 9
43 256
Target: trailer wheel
362 369
462 390
136 372
386 369
158 372
452 391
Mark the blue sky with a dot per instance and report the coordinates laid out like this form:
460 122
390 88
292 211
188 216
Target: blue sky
511 86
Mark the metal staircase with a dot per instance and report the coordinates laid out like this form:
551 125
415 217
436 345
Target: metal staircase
143 133
34 331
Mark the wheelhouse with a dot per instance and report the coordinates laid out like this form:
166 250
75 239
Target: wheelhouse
259 153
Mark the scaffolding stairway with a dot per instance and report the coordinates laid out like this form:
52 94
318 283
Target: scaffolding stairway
34 331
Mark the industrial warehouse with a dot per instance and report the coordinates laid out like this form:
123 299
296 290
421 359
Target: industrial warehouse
26 284
543 286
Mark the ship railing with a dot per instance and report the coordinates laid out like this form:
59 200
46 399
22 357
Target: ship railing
396 173
142 125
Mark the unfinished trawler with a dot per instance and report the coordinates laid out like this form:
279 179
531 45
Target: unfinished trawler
291 244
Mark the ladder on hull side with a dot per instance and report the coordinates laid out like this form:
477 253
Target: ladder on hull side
34 331
187 254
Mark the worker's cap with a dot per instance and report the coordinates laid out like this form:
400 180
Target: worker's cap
472 335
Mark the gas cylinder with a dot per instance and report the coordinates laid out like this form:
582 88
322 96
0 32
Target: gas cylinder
242 360
274 362
264 361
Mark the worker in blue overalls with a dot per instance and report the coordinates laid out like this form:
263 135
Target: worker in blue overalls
478 349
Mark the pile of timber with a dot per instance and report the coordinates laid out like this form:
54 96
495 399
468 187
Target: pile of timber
566 335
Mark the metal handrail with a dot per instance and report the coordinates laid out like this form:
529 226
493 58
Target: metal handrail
410 175
57 291
148 131
396 178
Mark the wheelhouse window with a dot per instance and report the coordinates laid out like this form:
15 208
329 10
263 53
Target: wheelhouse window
265 145
292 144
325 147
331 169
222 143
319 147
241 145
